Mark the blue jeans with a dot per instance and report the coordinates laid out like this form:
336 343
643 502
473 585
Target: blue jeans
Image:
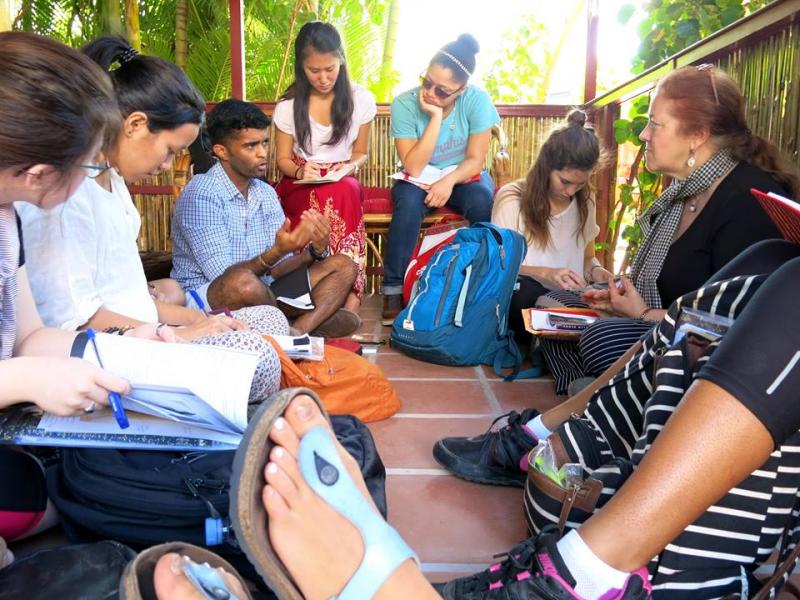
473 200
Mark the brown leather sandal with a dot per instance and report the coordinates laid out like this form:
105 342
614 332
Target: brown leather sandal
248 516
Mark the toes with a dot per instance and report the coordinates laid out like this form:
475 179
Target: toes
170 581
283 484
283 435
288 464
303 414
274 503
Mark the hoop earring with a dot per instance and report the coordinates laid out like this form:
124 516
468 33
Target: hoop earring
690 163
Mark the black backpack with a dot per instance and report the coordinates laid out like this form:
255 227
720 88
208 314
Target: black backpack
143 497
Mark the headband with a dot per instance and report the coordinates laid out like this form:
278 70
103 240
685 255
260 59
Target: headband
455 60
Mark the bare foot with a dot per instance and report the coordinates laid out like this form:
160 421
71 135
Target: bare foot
319 547
171 584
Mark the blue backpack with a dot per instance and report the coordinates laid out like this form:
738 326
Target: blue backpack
459 312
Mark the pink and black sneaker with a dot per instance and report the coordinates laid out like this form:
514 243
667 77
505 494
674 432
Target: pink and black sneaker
546 578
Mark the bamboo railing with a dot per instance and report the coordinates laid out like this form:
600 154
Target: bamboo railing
526 127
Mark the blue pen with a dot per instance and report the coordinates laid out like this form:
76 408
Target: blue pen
199 301
113 397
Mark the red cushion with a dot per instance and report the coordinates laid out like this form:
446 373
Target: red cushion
378 201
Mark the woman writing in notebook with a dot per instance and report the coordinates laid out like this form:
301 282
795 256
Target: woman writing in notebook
554 210
445 122
323 123
42 158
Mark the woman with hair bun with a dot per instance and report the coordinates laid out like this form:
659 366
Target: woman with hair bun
553 208
445 122
323 123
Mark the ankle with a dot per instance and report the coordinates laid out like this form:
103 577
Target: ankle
593 577
407 581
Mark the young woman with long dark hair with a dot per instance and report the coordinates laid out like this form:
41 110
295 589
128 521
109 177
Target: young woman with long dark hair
323 124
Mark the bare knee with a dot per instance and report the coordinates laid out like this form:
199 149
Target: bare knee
238 287
344 268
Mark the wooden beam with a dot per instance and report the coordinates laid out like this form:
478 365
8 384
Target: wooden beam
590 70
238 86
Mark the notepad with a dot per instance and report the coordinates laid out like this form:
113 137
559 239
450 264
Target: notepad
428 176
183 397
329 177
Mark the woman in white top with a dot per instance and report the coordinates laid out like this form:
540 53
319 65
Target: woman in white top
554 210
323 124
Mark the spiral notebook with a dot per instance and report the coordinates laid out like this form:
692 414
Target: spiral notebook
183 397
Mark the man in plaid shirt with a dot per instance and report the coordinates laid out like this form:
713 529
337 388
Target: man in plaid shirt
233 246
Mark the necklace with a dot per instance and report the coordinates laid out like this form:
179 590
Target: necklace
692 207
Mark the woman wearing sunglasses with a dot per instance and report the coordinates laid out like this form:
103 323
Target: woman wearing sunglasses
323 124
445 122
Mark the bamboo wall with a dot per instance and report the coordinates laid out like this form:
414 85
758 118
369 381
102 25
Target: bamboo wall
769 74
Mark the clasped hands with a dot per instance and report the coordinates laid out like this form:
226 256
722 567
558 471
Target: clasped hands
313 228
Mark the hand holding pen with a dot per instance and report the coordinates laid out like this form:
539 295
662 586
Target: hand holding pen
114 399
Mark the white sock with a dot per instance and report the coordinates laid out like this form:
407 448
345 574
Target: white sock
593 577
538 429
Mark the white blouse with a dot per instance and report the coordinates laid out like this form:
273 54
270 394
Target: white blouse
364 110
566 249
82 255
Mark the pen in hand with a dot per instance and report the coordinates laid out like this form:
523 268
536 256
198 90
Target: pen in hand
114 398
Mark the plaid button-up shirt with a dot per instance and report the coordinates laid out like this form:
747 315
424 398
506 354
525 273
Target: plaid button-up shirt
214 226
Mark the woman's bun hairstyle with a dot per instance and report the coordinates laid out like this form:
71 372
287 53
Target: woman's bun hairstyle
576 118
459 56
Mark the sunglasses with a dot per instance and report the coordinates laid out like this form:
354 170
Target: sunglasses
440 92
709 68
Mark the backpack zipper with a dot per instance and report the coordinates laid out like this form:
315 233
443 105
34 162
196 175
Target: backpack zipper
451 267
408 322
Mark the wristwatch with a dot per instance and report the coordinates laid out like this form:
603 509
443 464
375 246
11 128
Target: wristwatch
319 255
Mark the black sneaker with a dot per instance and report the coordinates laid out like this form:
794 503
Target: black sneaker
495 457
547 578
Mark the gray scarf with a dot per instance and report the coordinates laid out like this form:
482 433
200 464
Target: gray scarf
659 222
9 262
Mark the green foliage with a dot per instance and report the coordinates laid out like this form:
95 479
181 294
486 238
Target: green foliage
669 27
517 75
362 24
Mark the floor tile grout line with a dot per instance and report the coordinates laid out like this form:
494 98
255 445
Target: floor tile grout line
449 379
442 415
488 392
416 471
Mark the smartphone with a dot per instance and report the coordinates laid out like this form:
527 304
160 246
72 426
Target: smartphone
601 285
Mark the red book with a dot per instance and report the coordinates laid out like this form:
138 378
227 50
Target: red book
784 213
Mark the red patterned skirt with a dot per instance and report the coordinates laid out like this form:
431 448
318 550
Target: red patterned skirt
343 202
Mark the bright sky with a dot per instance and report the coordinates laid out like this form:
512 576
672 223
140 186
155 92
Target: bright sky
426 25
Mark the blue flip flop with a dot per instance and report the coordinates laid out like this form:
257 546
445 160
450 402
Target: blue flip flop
384 549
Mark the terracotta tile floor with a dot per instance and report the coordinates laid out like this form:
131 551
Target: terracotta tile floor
455 526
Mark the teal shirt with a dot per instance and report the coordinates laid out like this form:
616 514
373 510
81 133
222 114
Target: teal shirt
472 113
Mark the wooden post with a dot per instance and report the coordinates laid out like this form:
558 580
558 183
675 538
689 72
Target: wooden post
237 49
590 75
606 179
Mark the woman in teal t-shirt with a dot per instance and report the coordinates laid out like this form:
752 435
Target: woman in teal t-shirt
443 123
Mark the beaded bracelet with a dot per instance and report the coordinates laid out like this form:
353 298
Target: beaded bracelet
644 313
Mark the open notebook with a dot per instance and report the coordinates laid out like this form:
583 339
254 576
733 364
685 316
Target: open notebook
183 397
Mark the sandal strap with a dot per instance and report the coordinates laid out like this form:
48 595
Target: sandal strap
384 549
